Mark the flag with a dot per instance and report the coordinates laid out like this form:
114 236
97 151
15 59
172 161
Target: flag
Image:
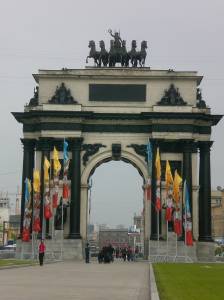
158 165
65 151
65 193
36 181
46 169
176 187
188 221
28 190
149 157
57 165
168 176
148 189
177 221
36 201
158 177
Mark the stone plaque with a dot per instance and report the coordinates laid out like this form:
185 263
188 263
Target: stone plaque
117 92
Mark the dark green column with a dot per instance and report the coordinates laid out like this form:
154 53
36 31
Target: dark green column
43 145
75 146
154 145
28 165
205 232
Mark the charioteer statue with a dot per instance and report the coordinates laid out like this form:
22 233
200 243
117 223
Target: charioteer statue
118 53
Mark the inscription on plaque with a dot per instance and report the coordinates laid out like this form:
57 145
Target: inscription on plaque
117 92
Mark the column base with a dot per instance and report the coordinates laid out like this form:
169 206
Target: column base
74 236
205 251
205 239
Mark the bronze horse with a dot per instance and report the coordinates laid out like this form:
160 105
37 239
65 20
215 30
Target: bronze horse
138 56
93 53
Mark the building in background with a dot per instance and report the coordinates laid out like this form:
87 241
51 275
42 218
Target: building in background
115 237
217 203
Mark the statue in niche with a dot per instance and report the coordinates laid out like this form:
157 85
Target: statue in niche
34 100
200 102
62 96
58 216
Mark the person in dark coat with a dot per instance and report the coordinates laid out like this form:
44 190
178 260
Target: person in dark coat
87 252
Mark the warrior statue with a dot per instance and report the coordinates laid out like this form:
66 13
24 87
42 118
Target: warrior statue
117 39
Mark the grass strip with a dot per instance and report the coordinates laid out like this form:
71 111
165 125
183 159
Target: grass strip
190 281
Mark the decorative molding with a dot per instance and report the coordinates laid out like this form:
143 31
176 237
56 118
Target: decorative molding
62 96
36 127
140 150
35 100
172 97
22 117
90 149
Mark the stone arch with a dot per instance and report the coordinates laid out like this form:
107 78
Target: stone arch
105 156
95 162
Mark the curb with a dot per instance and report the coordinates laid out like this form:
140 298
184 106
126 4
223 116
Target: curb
17 266
153 287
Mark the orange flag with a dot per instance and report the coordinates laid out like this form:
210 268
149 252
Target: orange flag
176 187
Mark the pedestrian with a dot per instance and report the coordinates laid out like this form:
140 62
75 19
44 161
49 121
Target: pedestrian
87 250
42 249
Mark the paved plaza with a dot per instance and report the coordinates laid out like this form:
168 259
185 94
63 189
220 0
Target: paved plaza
76 281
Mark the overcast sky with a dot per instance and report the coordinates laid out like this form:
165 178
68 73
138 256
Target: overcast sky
51 34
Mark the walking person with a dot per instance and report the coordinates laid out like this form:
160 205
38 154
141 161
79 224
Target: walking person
42 249
87 250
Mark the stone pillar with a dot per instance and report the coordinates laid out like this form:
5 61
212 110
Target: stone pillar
147 226
28 165
205 234
84 211
75 188
153 236
43 145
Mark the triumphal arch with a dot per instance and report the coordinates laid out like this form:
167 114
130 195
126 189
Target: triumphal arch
109 112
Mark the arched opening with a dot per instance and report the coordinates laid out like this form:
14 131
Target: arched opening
115 206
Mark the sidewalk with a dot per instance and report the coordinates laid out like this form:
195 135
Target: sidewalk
77 281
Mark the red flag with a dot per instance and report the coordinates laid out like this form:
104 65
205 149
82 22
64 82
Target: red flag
36 224
47 211
26 234
189 238
177 227
169 211
65 191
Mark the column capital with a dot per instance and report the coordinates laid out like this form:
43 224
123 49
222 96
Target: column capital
188 145
75 143
205 145
44 144
28 143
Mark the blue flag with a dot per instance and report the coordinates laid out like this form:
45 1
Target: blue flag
27 190
149 152
149 157
65 151
187 199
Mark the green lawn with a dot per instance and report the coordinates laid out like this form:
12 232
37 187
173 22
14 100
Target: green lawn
11 262
190 281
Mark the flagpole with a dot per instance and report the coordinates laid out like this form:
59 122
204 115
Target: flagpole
185 221
167 241
62 228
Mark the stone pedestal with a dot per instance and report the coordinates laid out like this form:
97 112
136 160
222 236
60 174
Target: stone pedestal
205 251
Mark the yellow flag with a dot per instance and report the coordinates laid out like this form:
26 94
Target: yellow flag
36 181
158 165
46 169
176 187
57 165
168 175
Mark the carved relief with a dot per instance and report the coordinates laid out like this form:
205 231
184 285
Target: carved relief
140 150
62 96
90 149
172 97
